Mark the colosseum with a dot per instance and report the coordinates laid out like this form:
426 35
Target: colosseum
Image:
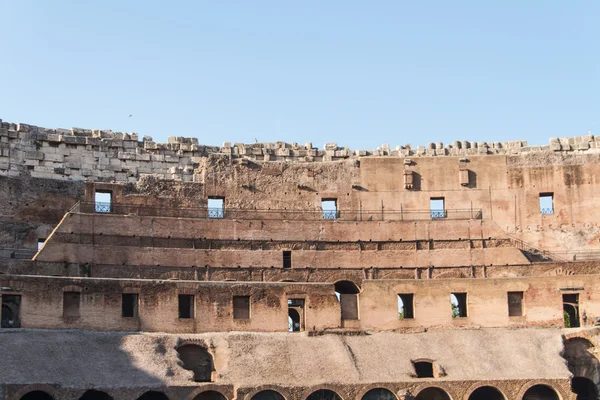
137 270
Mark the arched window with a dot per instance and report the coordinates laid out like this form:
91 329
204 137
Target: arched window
37 395
153 395
584 388
268 395
324 394
95 395
486 393
540 392
197 359
347 293
210 395
432 393
379 394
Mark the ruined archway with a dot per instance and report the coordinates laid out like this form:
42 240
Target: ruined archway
324 394
486 393
540 392
579 353
37 395
347 293
153 395
584 388
432 393
197 359
95 395
379 394
210 395
268 395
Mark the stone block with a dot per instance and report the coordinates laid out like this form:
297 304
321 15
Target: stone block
34 155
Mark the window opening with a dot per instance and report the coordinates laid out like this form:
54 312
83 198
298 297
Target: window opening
210 395
37 395
197 359
40 243
432 393
71 304
241 307
11 311
329 207
347 294
295 315
153 395
103 201
95 395
379 394
584 388
268 395
186 306
406 306
540 392
324 394
515 304
423 369
216 207
486 393
459 305
287 259
571 310
130 305
437 207
547 203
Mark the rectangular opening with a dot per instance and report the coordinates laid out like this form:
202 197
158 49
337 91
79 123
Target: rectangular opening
349 305
329 207
241 307
437 208
459 305
295 315
287 259
11 311
40 244
71 304
186 306
515 304
216 207
571 310
406 306
130 305
103 201
547 203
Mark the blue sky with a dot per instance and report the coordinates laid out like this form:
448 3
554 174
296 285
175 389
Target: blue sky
359 73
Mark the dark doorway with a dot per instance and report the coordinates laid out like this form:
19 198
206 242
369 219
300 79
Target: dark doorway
584 388
37 395
268 395
540 392
432 394
95 395
571 310
11 311
210 395
152 395
379 394
347 294
486 393
324 394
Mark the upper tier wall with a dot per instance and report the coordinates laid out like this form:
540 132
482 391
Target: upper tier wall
84 154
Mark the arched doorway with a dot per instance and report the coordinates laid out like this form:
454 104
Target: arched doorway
486 393
197 359
293 320
584 388
379 394
347 294
324 394
268 395
540 392
153 395
210 395
37 395
95 395
432 393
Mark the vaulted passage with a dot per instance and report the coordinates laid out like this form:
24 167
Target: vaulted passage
486 393
324 394
432 394
584 388
95 395
37 395
210 395
540 392
268 395
152 395
198 360
379 394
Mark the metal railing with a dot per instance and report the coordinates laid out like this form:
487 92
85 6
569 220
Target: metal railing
547 210
232 213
